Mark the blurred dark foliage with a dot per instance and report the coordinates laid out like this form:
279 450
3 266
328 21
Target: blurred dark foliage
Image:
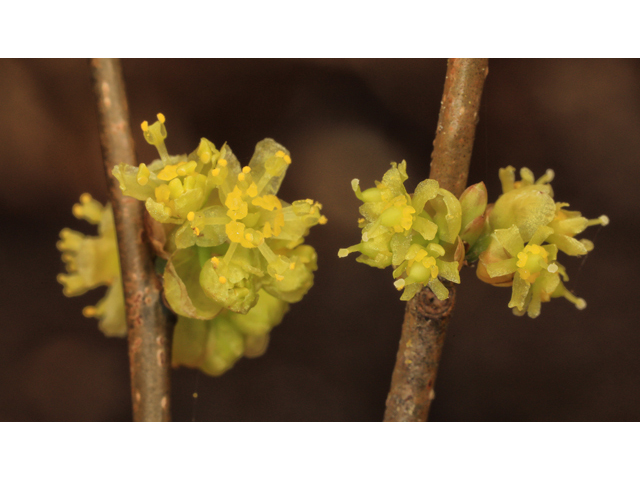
332 357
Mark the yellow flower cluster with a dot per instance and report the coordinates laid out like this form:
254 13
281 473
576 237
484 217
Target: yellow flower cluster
527 212
416 234
232 253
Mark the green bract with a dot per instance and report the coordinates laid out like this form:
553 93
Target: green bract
215 345
416 234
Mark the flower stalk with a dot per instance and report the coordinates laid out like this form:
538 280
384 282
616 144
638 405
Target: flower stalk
148 325
426 317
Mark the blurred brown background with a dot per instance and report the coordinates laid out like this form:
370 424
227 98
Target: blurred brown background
331 359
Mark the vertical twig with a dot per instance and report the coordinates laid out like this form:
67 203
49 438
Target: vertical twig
426 318
149 339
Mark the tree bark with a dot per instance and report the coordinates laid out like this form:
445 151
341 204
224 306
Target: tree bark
427 318
148 326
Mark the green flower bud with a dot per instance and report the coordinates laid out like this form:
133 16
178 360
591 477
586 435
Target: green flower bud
474 203
213 346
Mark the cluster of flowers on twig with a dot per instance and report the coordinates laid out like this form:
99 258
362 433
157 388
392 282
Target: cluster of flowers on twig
231 253
431 234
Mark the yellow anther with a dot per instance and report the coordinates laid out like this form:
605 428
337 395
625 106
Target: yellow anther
170 172
268 202
197 231
252 191
241 177
434 271
292 266
77 210
185 168
280 154
420 255
309 201
215 261
287 159
323 220
522 259
215 172
161 118
162 194
85 198
145 126
361 221
191 216
278 223
248 237
246 169
89 311
143 174
176 188
222 279
238 208
266 231
222 162
235 231
279 277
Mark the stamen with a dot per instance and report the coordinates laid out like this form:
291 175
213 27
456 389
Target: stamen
230 252
77 210
222 279
267 253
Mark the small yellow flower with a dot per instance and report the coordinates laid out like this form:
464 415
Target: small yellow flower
93 261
